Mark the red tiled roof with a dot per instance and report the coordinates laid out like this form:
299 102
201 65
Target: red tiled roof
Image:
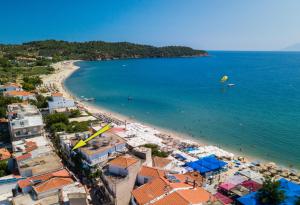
23 157
54 183
4 154
151 172
18 93
160 185
161 162
61 173
57 94
123 161
186 197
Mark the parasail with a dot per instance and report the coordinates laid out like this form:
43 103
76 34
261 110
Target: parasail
224 79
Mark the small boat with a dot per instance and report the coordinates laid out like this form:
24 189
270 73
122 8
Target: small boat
89 99
230 84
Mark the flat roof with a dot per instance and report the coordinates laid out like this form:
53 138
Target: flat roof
27 199
42 164
101 143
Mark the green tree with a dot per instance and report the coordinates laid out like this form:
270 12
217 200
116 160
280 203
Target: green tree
58 127
41 101
270 192
4 62
297 201
75 113
56 118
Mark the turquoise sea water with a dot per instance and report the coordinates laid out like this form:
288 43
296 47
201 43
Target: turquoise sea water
259 116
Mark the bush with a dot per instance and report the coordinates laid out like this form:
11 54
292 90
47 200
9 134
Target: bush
75 113
56 118
155 150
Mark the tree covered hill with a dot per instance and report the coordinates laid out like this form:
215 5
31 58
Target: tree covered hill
93 50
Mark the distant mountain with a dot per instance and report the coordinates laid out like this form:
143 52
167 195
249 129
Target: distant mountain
294 47
93 50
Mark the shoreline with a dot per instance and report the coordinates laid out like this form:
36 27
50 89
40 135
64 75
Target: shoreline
64 69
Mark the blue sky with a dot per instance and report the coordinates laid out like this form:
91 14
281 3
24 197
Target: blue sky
202 24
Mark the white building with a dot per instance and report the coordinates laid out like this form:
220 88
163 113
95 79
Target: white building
25 121
58 102
10 87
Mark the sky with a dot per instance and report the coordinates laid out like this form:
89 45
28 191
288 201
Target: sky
201 24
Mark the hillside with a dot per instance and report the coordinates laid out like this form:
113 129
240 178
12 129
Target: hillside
93 50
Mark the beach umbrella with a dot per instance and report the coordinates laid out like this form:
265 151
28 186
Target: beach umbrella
267 173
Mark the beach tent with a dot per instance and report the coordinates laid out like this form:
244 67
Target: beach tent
254 176
251 185
207 164
227 186
292 192
224 199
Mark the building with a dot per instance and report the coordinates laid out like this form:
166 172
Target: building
25 121
74 194
119 178
23 95
162 163
170 189
60 104
98 150
35 156
10 87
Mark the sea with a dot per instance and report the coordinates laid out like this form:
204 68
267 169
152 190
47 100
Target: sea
258 116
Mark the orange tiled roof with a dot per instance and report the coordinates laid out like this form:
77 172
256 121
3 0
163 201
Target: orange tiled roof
186 197
4 154
123 161
54 183
57 94
151 172
159 186
26 182
18 93
172 199
161 162
150 191
196 196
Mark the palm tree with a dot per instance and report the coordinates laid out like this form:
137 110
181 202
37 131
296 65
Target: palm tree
270 192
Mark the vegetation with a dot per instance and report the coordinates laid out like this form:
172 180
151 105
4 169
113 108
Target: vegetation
4 168
270 192
40 102
75 113
155 150
4 101
297 201
58 122
30 83
92 50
